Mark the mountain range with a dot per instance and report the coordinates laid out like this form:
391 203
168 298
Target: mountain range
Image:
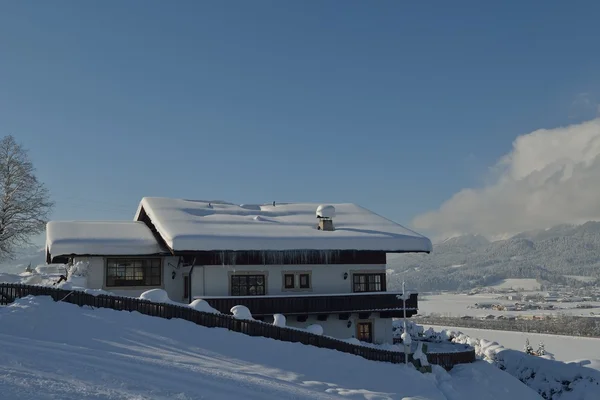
553 255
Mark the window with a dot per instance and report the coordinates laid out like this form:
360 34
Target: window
289 281
296 281
247 285
133 272
369 282
304 281
364 332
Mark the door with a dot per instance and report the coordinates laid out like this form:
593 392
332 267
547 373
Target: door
364 332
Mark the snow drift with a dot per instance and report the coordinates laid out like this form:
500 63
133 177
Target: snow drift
61 351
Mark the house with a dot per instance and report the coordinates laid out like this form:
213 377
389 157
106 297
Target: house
313 263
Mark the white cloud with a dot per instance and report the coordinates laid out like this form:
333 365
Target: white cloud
551 176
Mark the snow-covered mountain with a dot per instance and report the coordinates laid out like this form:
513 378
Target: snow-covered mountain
469 261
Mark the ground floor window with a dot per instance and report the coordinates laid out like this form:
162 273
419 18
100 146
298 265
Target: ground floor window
364 332
133 272
369 282
248 285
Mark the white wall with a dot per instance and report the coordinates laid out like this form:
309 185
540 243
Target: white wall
214 280
382 327
173 287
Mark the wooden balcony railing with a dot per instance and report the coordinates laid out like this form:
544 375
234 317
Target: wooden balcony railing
385 303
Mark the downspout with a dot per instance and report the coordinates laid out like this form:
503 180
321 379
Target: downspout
190 284
190 280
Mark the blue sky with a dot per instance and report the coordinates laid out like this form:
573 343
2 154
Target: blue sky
393 105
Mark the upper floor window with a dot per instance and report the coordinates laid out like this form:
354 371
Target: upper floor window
248 285
296 280
304 281
133 272
369 282
289 281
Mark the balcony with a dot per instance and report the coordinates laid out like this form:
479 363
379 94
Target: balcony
385 303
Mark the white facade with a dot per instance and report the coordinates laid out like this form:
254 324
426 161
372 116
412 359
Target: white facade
346 329
173 285
214 280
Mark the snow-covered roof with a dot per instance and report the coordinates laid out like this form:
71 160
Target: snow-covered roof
191 225
100 237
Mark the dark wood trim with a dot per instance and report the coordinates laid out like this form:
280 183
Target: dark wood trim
343 305
285 257
143 217
57 259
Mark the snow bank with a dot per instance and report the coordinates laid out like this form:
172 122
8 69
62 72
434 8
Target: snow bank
353 341
111 354
414 330
76 276
121 355
594 364
551 379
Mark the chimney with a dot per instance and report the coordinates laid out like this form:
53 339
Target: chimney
325 215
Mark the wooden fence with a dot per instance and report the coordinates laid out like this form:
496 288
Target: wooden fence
9 292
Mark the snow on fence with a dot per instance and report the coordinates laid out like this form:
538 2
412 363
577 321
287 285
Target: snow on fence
9 292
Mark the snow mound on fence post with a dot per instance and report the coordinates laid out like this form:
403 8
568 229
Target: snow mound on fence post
279 320
203 306
315 329
241 312
419 355
156 296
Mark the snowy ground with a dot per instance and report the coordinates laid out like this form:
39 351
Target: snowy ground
458 305
60 351
564 348
517 284
45 275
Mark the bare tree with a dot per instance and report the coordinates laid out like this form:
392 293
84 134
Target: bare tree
24 201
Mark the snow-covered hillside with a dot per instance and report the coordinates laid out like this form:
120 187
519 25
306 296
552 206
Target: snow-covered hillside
464 262
54 350
564 348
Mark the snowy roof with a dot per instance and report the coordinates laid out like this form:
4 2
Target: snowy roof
191 225
100 237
